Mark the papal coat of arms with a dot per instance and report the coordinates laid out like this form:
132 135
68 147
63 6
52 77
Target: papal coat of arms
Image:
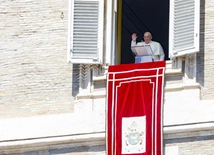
133 140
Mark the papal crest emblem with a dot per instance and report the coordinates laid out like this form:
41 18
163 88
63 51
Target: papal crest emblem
133 135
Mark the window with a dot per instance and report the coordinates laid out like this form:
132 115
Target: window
184 27
174 24
86 31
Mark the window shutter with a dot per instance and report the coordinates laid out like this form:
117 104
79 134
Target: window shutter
86 31
184 27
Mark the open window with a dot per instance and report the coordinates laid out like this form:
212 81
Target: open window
173 23
86 31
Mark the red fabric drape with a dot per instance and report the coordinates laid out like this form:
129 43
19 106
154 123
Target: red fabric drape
134 110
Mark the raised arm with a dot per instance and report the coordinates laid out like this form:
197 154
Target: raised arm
134 37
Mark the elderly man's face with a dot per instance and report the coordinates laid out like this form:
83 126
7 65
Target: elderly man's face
147 38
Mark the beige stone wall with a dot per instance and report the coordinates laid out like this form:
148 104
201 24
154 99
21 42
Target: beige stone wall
35 77
186 143
205 60
194 143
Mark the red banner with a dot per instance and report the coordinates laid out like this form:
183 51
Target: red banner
134 113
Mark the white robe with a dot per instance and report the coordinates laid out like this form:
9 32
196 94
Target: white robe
157 50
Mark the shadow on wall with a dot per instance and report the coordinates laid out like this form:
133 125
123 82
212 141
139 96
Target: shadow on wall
200 55
75 80
100 149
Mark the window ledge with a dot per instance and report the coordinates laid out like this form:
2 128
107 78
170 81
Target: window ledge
173 87
167 72
99 78
173 71
94 95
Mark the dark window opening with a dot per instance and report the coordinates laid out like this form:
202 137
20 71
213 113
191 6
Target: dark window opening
140 16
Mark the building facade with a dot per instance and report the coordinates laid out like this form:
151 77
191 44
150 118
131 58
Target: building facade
53 92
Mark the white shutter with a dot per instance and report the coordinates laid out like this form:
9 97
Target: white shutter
184 27
86 34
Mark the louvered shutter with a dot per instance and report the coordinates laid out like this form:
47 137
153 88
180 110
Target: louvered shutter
87 31
184 27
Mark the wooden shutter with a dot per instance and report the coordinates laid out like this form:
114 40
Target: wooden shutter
184 27
86 31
